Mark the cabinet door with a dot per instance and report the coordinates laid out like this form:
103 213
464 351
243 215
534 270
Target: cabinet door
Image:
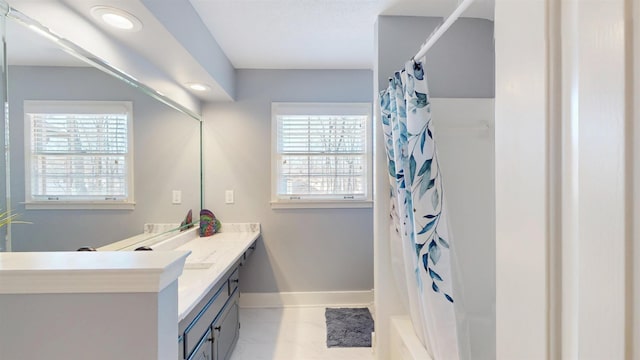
204 351
226 330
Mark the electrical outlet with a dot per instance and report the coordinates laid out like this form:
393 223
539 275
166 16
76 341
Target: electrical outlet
176 197
228 197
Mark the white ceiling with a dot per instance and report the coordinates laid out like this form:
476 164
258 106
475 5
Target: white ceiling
254 34
310 34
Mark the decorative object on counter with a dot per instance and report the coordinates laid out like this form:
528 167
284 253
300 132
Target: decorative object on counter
349 327
187 223
209 225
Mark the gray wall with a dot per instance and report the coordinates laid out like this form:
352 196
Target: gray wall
459 65
166 158
97 326
300 249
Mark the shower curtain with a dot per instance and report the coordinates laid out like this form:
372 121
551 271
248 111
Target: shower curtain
420 235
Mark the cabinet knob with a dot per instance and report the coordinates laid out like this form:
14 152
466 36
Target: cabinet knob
235 281
217 328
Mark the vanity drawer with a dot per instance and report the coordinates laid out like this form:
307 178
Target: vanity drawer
234 280
193 314
198 327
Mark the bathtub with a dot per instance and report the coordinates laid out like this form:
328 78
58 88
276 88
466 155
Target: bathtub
404 344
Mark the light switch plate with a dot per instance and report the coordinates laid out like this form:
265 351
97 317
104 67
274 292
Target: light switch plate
176 197
228 197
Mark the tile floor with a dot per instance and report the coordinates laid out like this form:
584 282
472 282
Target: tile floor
289 334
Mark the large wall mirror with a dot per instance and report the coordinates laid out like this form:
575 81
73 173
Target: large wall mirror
165 147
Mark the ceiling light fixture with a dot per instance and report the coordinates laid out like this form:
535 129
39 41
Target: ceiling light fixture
198 87
116 18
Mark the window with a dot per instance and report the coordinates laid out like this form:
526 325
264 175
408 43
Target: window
78 155
321 155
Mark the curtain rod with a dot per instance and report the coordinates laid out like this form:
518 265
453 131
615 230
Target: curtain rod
443 28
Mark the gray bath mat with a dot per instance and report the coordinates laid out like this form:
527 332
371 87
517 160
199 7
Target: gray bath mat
349 327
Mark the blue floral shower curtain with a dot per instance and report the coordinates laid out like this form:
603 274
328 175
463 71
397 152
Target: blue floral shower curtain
420 231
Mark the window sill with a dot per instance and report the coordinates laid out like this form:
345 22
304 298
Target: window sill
61 205
355 204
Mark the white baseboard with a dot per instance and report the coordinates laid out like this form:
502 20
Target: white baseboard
306 299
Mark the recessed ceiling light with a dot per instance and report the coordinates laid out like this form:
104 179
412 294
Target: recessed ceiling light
116 18
198 87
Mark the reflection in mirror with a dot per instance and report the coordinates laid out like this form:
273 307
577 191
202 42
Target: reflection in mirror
165 149
4 195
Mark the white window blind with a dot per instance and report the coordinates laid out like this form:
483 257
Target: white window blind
322 152
79 152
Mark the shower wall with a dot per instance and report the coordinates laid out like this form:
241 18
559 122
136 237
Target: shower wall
464 134
460 67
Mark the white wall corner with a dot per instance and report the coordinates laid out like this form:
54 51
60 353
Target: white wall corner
597 108
522 193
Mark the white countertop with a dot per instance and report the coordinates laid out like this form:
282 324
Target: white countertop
210 258
88 272
198 263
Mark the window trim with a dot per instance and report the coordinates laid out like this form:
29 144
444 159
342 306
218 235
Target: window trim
78 107
322 108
